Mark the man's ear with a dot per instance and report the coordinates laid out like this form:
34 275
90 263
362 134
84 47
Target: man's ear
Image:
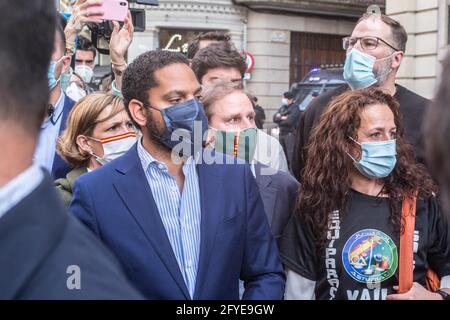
66 64
138 112
397 60
210 138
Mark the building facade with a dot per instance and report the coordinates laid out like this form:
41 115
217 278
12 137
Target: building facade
170 24
427 25
290 37
286 37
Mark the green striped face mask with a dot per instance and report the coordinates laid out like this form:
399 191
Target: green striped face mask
241 144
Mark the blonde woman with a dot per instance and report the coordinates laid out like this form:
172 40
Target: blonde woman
98 131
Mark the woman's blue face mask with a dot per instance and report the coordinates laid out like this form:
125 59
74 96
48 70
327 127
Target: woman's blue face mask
378 158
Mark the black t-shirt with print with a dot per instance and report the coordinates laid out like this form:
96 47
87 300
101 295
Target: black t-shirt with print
360 260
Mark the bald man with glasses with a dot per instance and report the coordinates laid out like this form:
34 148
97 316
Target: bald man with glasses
375 51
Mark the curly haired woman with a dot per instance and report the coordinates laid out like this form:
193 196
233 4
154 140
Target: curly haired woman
343 241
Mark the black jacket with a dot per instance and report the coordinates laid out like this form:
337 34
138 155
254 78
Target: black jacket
260 116
39 245
279 193
412 110
289 125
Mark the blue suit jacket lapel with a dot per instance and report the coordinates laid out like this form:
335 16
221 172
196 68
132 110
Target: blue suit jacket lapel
267 191
60 167
133 188
68 105
211 187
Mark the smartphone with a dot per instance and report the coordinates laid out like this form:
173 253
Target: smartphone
115 10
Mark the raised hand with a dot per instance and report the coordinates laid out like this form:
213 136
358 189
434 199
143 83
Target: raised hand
120 41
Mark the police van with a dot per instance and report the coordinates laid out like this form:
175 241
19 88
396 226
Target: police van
317 81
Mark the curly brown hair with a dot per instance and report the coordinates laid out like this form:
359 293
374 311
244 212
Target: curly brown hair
327 174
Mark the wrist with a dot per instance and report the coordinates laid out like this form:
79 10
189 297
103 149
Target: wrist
118 69
117 60
70 48
442 295
70 31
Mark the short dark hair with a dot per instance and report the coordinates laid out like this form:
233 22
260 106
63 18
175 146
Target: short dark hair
288 95
194 44
139 77
217 56
27 32
85 44
437 131
399 35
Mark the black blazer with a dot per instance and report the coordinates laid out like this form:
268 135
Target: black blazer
39 241
278 193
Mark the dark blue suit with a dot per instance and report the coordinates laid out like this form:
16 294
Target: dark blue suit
279 192
116 203
60 168
39 241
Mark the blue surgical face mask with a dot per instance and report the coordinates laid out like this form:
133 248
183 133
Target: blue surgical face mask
52 82
378 159
65 79
180 121
358 69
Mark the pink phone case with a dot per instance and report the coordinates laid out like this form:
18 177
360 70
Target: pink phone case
115 9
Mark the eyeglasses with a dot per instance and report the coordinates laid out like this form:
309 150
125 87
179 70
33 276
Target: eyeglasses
367 43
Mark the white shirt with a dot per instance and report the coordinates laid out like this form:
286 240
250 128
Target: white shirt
20 187
180 212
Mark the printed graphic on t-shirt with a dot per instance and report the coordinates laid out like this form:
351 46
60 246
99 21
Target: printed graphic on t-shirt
370 256
360 258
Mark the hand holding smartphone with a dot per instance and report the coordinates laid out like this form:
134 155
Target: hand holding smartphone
115 10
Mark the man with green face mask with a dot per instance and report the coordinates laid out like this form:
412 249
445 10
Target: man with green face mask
220 62
232 131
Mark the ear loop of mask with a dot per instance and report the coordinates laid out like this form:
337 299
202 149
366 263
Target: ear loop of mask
390 69
354 160
59 78
211 143
147 106
92 152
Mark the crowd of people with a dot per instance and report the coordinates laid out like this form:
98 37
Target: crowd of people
163 185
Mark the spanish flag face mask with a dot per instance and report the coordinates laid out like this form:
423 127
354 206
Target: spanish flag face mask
241 144
115 146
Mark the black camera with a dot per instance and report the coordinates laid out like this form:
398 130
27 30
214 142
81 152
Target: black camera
146 2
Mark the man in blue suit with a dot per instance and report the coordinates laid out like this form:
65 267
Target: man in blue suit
45 253
184 227
58 109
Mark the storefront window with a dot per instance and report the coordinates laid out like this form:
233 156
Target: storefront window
176 40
